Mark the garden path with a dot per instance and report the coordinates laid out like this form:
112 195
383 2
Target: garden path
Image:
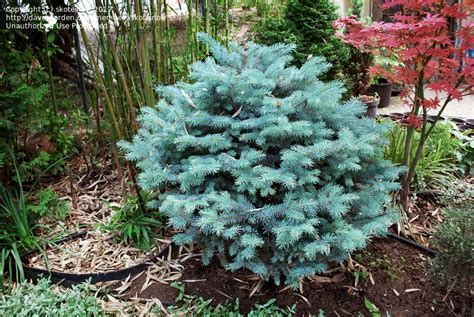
462 109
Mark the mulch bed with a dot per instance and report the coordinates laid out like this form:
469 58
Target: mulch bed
395 275
398 284
91 193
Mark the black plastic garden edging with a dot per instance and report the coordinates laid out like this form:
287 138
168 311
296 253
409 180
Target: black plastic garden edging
75 278
412 244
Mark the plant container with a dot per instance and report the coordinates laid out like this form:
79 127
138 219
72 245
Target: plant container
396 89
371 102
384 90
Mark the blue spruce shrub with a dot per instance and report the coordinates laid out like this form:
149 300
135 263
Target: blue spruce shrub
261 164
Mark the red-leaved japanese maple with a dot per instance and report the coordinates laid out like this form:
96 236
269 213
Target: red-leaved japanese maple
430 39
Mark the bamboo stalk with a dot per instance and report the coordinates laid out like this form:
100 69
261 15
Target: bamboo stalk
50 78
100 78
154 28
226 22
160 41
190 30
124 84
117 133
143 56
216 19
196 30
206 22
170 67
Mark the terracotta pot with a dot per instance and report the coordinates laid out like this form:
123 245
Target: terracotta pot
384 90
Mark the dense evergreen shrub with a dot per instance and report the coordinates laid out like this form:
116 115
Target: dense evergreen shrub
309 25
260 163
357 8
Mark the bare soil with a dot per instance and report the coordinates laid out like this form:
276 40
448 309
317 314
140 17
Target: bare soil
399 284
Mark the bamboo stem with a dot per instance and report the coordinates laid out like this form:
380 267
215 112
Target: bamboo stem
143 56
226 22
154 28
50 79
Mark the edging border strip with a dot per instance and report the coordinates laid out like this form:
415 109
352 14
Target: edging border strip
76 278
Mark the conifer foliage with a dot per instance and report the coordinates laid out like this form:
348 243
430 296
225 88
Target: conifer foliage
260 164
309 24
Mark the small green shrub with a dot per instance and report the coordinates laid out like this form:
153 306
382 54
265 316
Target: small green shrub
309 25
357 8
28 125
437 167
48 204
356 71
22 91
134 225
43 299
454 241
16 220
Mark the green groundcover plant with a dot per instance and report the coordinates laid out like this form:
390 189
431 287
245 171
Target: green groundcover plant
43 299
261 164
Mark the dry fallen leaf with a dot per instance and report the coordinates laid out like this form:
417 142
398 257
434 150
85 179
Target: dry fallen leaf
338 277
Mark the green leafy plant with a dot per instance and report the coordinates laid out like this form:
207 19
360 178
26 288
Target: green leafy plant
386 63
261 163
44 299
22 91
18 222
466 156
454 242
48 204
373 262
359 276
437 164
133 224
180 287
48 51
373 310
28 126
197 306
17 226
